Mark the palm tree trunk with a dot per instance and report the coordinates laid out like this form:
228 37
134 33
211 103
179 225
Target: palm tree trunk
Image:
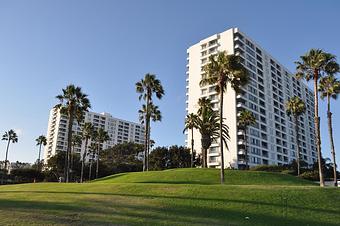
90 169
192 148
147 125
246 146
8 142
71 164
204 158
83 162
148 148
317 126
221 134
97 162
69 145
297 144
330 131
39 157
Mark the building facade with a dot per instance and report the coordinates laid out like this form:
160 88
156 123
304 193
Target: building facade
119 131
271 140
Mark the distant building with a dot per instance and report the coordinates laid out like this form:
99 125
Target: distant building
119 131
272 139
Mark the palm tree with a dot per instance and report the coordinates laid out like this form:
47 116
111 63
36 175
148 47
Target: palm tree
329 87
73 104
10 136
91 154
222 70
296 107
87 133
41 140
207 122
76 142
154 115
146 88
190 123
101 137
246 119
313 65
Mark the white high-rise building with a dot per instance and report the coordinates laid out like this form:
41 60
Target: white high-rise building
272 139
119 131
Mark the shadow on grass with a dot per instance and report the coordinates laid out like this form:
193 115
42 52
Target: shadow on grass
144 213
221 200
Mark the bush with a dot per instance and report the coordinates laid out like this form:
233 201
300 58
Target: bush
268 168
310 175
288 171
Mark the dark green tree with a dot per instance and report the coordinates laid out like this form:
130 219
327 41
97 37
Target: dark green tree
9 136
147 87
73 103
221 71
295 107
312 66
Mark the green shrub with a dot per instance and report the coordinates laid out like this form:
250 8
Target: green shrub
289 171
268 168
310 175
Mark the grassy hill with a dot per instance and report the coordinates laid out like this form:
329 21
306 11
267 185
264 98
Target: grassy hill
173 197
205 176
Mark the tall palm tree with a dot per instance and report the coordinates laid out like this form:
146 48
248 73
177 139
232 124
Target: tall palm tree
221 71
245 120
91 154
147 87
10 136
312 66
41 140
87 132
101 137
329 87
73 104
296 107
190 123
154 115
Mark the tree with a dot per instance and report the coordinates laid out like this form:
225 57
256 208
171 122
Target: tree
9 136
91 155
190 123
41 140
146 88
246 119
312 66
329 87
208 125
101 137
168 158
121 158
56 164
87 132
76 142
154 115
73 103
221 71
296 107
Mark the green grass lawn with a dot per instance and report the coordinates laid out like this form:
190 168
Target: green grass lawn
173 197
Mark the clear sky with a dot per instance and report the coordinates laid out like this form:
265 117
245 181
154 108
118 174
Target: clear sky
107 46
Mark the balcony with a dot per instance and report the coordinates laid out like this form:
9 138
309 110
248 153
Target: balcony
241 152
241 142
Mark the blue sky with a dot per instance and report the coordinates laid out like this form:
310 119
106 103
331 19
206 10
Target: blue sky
106 46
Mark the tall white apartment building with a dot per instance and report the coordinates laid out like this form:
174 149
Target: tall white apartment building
119 131
272 139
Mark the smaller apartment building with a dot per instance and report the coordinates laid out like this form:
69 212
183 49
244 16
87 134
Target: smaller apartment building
119 130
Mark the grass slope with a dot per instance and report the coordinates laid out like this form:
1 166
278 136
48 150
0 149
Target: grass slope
205 176
148 199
